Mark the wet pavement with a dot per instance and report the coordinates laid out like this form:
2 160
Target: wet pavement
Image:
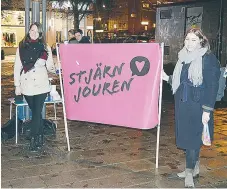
104 156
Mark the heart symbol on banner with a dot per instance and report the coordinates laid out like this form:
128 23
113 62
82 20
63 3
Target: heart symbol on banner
140 65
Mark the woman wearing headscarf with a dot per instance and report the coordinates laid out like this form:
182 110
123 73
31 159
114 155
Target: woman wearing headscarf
32 63
194 84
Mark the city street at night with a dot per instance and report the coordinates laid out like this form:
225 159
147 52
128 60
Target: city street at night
105 156
111 127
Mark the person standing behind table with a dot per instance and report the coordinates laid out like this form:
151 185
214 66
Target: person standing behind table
80 38
72 39
195 84
33 60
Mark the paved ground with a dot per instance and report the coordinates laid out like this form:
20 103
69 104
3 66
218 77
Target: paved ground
104 156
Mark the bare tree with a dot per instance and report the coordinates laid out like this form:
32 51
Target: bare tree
12 4
80 8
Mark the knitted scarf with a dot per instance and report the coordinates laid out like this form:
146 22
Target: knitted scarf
30 53
193 58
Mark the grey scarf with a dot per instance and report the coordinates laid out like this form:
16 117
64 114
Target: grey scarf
195 70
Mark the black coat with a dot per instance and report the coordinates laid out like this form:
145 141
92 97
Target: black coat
84 40
190 102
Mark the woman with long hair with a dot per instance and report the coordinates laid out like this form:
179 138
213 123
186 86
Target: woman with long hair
194 84
32 63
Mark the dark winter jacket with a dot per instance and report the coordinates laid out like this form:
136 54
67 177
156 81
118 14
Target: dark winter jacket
84 40
190 102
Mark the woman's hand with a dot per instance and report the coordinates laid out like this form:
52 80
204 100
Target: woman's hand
205 117
165 77
18 91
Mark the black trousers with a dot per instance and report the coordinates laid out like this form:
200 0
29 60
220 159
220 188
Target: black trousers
35 103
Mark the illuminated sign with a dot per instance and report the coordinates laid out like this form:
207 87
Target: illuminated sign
146 5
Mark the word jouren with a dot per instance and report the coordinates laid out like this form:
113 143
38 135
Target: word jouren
84 78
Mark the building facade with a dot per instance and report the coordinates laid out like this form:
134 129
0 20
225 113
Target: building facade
172 22
141 16
58 22
125 16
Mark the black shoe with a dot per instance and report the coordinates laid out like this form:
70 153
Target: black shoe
33 147
27 134
40 141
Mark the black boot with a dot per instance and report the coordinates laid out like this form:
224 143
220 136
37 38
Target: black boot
40 141
33 147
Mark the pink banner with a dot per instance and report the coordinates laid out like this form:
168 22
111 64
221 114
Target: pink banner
116 84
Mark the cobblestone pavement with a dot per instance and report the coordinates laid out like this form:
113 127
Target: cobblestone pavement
104 156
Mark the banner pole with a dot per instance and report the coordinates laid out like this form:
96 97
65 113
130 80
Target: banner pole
63 99
160 106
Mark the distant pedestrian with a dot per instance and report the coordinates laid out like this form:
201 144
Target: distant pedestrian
32 63
53 49
80 38
195 85
72 38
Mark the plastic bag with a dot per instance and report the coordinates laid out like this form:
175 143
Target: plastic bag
206 135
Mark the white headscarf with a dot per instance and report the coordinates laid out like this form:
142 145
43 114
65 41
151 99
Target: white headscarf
193 58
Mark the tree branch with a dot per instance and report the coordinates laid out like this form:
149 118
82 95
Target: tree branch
84 12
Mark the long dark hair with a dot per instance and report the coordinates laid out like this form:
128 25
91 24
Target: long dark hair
25 41
198 32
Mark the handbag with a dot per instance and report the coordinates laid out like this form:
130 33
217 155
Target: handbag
206 135
49 127
8 129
